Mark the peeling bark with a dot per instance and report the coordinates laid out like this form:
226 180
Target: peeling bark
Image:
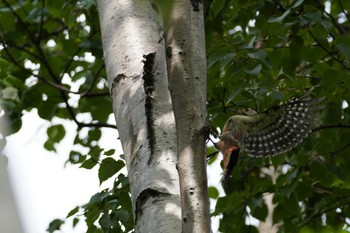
135 62
148 85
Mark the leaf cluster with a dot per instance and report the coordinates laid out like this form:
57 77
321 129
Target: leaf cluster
261 53
107 211
50 62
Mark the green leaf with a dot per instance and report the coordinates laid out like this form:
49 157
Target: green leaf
87 3
13 81
233 94
106 221
47 109
76 157
73 211
278 160
92 215
95 151
94 134
75 221
254 71
297 3
88 164
50 145
213 192
108 168
97 199
87 74
56 133
109 152
122 215
37 14
260 210
217 6
55 225
343 45
320 172
312 16
279 19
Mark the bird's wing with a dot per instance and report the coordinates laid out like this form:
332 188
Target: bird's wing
280 128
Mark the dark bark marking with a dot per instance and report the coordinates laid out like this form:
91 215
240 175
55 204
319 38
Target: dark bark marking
204 131
169 52
144 196
115 82
161 33
148 85
195 4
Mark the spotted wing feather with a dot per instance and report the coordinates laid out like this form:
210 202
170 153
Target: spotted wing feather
279 129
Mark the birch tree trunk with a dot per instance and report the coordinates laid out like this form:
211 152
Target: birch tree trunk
136 52
184 34
135 61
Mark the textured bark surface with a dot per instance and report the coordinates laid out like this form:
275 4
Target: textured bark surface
140 58
268 225
135 61
184 35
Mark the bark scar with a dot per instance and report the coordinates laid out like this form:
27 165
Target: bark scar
169 52
148 85
144 196
195 4
115 82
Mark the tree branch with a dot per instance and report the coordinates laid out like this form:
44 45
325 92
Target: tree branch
330 127
343 10
327 209
340 150
63 90
327 51
88 91
335 23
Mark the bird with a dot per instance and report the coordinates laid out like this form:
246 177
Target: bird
268 133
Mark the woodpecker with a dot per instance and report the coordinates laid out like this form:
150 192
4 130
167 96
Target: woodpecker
269 133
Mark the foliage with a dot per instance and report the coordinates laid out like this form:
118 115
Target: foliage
50 57
259 54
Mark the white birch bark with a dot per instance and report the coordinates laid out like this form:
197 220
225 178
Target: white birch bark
134 53
184 35
268 226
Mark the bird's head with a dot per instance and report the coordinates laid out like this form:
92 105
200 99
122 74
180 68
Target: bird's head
226 151
246 112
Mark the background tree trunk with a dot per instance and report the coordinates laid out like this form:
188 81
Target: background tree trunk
268 226
135 61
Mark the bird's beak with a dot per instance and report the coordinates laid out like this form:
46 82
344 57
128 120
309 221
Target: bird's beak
219 145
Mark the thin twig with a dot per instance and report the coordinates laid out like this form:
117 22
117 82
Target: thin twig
330 127
335 23
343 10
327 51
